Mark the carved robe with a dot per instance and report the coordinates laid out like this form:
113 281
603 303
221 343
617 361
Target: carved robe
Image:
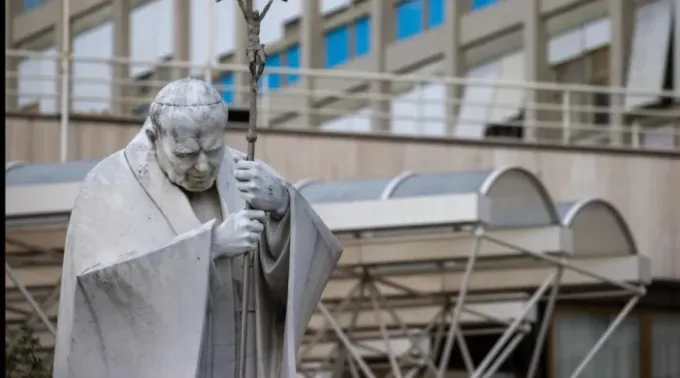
141 297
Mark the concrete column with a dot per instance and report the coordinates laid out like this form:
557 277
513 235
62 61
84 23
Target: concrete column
382 34
121 49
65 48
241 41
536 63
676 51
11 63
310 40
453 59
621 13
182 34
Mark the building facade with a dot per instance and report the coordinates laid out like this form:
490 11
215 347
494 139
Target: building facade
366 93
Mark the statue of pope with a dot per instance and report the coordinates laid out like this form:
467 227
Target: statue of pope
152 272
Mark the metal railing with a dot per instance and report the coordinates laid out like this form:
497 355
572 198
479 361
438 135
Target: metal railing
564 114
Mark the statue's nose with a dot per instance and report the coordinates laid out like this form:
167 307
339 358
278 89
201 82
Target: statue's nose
202 165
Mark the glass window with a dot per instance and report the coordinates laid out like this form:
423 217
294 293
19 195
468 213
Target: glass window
227 89
435 15
30 4
665 345
362 33
293 60
574 335
273 80
337 46
479 4
409 18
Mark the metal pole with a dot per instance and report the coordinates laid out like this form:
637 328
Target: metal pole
65 71
383 331
605 336
209 40
338 332
504 356
30 300
497 348
640 291
545 324
458 308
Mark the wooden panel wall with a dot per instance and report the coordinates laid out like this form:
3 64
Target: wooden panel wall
645 187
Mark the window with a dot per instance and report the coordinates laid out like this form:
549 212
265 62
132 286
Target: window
30 4
337 46
141 110
362 35
227 90
665 334
574 335
435 16
273 80
479 4
293 60
409 18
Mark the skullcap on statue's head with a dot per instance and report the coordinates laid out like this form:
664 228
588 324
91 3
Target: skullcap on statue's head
188 92
188 103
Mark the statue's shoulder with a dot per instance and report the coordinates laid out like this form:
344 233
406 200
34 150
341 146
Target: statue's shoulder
112 166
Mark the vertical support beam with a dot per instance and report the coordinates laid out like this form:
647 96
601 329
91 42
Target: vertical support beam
536 63
310 34
382 32
621 14
11 63
121 49
62 29
182 35
64 42
240 82
676 53
453 59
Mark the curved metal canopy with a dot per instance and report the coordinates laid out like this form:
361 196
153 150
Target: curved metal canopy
598 228
517 197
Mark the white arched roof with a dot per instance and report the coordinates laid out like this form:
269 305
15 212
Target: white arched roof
598 228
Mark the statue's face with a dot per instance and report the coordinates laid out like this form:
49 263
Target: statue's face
190 155
188 119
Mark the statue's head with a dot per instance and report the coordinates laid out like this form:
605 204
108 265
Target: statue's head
187 124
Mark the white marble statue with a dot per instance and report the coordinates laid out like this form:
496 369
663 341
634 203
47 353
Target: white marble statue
152 272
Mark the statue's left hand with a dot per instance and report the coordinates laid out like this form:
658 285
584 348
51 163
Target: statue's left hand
260 188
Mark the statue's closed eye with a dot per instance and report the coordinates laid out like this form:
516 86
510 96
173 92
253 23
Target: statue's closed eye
184 154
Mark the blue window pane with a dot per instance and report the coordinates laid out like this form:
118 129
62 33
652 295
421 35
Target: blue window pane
362 29
479 4
409 18
30 4
436 13
293 59
273 80
337 46
227 91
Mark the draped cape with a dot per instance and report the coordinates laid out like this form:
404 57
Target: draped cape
138 278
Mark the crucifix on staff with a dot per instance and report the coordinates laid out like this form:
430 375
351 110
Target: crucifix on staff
256 61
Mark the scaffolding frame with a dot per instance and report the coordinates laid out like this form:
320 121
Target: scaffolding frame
457 234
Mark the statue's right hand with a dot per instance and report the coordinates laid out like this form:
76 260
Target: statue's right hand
238 234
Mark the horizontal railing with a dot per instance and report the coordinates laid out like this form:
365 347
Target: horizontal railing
413 104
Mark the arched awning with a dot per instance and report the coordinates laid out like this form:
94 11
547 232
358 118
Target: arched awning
598 229
508 197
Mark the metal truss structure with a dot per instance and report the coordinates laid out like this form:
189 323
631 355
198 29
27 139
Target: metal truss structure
430 262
